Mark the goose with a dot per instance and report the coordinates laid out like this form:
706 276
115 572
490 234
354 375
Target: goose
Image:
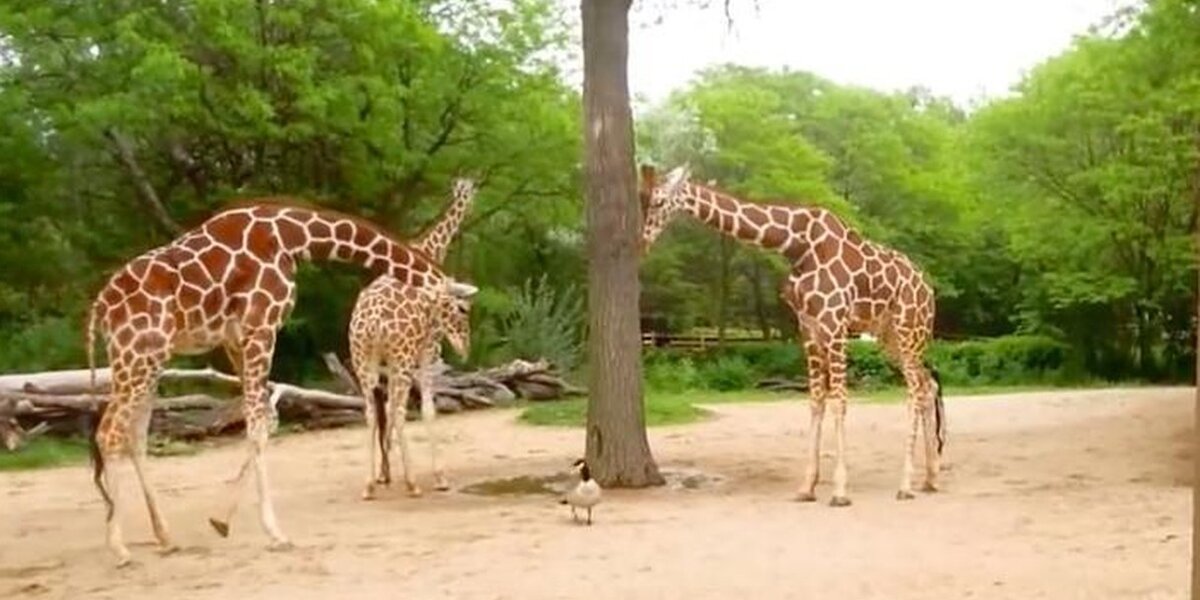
585 494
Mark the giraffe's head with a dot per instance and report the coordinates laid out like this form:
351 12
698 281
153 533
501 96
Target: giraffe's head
661 201
463 188
454 316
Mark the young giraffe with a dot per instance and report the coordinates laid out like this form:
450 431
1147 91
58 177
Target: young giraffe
229 282
839 284
364 333
391 331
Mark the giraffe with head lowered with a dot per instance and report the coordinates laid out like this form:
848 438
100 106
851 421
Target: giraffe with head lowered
397 332
230 283
840 284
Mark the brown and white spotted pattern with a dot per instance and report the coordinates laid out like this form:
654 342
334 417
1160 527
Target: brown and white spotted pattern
840 284
434 242
227 283
395 331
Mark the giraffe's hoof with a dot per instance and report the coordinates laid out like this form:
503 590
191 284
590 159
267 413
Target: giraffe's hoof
368 493
928 488
281 545
839 501
442 486
167 549
415 491
221 527
806 497
904 495
125 562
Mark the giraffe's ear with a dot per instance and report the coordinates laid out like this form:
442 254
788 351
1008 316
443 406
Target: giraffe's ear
678 175
461 290
649 176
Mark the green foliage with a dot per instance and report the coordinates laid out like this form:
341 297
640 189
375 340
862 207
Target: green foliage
544 322
726 373
661 409
367 107
1002 361
45 451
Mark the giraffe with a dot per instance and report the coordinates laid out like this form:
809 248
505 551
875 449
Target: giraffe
435 243
392 330
839 284
230 283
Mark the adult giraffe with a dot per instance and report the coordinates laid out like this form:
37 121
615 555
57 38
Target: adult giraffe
840 284
387 316
229 282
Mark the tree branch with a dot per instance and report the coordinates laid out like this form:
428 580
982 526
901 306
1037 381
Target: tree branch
145 190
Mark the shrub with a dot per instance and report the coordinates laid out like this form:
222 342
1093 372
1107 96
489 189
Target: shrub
727 374
672 375
48 343
544 323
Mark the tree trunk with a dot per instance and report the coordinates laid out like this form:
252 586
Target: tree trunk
1196 410
618 451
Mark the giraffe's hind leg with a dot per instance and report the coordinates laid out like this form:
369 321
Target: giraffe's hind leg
428 416
398 386
122 434
817 387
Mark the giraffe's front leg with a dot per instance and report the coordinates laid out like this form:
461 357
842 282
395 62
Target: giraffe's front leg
933 426
373 435
816 389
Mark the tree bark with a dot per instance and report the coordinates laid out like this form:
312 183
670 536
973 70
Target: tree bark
1196 410
618 450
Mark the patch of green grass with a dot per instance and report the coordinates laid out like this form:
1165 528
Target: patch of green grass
44 452
679 408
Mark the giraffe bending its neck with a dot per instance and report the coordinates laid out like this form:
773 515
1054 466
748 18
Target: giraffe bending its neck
391 331
839 284
385 291
229 282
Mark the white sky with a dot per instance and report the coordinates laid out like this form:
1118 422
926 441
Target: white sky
965 49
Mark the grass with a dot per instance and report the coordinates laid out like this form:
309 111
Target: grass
45 451
679 408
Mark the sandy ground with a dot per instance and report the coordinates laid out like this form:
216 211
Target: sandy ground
1050 495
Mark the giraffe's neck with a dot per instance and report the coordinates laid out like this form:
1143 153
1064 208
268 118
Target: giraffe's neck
779 228
311 234
435 241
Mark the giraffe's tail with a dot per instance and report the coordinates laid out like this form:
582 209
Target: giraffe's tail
93 443
939 410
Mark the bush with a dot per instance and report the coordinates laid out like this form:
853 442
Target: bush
48 343
544 323
727 374
672 375
995 361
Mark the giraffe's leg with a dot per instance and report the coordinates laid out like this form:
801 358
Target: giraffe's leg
111 447
122 433
256 354
836 354
913 382
817 377
428 416
933 456
138 456
368 379
398 386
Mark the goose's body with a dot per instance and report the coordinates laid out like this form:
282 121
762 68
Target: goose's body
585 495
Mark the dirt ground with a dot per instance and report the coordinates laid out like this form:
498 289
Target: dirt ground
1049 495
